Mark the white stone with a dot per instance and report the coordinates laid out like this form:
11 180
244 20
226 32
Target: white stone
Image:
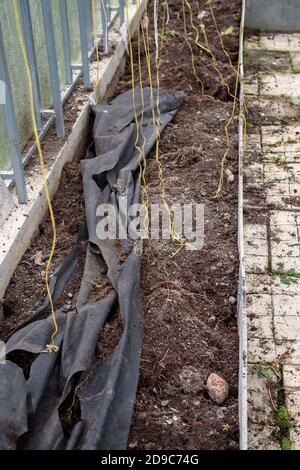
217 388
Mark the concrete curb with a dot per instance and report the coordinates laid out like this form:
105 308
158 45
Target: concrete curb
242 315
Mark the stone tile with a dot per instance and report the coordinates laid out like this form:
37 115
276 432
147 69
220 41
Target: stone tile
292 401
291 376
272 333
256 264
256 246
276 174
294 42
290 347
251 87
262 437
281 41
286 263
258 231
295 438
258 284
254 171
284 305
253 143
282 218
285 249
256 382
251 42
292 157
259 305
280 187
295 190
261 349
284 233
295 59
260 327
278 201
291 147
260 410
277 288
286 328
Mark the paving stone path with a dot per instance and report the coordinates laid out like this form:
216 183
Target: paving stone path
272 237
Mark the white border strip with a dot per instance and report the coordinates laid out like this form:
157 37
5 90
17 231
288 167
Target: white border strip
242 315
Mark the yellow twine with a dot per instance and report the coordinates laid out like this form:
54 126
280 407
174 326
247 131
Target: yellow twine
52 346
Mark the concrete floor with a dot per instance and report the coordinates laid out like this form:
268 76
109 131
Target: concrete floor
272 237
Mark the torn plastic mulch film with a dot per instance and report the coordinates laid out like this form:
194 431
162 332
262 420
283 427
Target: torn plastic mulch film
69 400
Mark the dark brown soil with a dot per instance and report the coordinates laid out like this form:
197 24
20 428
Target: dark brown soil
26 291
189 320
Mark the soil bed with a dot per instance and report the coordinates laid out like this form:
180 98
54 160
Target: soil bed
189 320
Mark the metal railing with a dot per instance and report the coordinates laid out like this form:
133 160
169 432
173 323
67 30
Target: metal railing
73 72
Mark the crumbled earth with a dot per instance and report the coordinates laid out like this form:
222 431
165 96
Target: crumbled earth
190 320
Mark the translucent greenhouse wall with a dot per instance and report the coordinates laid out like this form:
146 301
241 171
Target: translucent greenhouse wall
16 67
273 15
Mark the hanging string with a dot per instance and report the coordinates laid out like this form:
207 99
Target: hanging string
52 347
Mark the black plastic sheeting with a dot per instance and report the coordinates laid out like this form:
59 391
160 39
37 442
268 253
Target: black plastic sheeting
94 398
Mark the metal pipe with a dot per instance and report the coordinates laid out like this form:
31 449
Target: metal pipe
66 40
90 23
53 68
66 92
84 43
11 127
30 49
104 25
242 313
122 11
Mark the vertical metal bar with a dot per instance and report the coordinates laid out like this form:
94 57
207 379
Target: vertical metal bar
66 40
108 11
90 23
84 43
104 25
122 11
53 68
30 49
11 127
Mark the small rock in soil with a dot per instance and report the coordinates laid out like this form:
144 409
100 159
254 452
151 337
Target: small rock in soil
220 413
191 380
230 176
232 300
211 319
217 388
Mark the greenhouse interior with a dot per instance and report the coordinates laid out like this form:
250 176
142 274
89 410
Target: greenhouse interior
141 311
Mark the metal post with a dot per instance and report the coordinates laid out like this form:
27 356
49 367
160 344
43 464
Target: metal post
104 25
90 25
121 11
108 10
84 43
53 68
66 39
11 127
30 49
